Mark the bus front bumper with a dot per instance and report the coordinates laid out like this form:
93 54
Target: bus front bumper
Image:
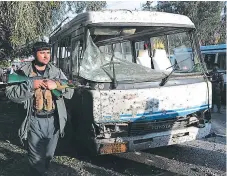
152 140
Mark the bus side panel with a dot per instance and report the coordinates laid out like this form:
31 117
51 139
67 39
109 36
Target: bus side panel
152 103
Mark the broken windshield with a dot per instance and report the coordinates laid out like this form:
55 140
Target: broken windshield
105 61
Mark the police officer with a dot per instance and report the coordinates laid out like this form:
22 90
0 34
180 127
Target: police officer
46 114
217 86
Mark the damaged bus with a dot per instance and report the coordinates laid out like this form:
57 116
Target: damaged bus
132 97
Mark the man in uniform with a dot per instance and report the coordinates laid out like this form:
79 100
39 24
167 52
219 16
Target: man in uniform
46 114
217 86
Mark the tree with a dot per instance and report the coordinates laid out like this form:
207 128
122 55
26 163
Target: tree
206 15
222 29
25 21
148 6
91 5
21 22
4 63
76 7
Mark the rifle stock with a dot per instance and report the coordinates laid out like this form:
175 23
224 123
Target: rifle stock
16 79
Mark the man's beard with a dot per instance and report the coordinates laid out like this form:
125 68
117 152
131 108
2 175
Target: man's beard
39 63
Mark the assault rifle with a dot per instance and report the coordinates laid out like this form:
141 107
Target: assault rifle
15 79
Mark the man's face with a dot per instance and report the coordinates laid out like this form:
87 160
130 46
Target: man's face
215 68
43 56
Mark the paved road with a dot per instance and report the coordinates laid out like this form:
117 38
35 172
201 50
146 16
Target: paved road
219 122
201 157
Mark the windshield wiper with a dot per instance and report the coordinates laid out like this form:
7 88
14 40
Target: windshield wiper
114 81
164 80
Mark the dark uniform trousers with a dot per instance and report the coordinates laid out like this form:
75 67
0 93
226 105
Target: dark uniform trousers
217 85
43 136
216 96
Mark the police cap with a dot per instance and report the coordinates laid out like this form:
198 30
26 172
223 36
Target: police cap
39 46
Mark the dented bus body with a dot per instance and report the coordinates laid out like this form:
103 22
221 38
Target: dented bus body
133 98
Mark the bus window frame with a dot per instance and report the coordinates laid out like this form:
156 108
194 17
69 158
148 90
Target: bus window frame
219 60
76 51
216 59
54 51
62 54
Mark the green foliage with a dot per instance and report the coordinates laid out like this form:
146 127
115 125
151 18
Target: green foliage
222 27
206 16
31 20
25 21
80 6
4 63
148 6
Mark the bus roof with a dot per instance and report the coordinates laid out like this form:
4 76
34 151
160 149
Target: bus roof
128 18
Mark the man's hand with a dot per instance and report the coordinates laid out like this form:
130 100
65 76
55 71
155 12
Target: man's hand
50 84
39 83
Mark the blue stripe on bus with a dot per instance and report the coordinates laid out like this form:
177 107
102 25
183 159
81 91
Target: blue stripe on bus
156 115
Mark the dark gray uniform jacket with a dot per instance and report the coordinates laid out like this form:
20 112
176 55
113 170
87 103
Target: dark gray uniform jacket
23 93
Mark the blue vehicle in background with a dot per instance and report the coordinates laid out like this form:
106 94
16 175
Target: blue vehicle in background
212 54
216 54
